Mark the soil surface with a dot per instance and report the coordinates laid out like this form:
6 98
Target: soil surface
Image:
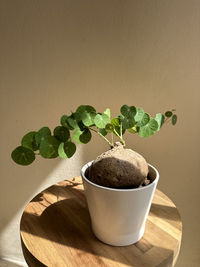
119 167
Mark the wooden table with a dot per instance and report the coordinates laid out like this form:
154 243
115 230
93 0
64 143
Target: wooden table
56 231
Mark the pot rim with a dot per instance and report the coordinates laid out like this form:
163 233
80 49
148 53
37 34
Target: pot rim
84 168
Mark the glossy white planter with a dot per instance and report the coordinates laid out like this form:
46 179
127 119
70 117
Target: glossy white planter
118 216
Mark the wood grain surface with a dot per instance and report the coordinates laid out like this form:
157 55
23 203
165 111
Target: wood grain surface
56 231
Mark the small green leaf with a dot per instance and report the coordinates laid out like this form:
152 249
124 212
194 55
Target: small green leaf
41 134
128 111
76 136
160 120
49 147
85 137
133 129
72 122
70 149
66 150
103 132
61 151
109 128
174 119
23 155
29 141
145 119
61 133
101 120
75 121
168 114
64 122
149 129
82 137
115 122
88 118
139 114
81 126
107 112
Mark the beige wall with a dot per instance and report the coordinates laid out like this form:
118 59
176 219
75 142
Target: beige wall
56 55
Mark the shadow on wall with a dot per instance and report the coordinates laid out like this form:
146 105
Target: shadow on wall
30 181
5 263
23 189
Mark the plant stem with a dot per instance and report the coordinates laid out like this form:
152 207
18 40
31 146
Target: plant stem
167 120
120 137
110 144
121 129
112 138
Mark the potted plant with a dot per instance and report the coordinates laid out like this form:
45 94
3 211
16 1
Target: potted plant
119 184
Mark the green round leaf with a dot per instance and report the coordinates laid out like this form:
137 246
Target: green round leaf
101 120
168 114
128 122
160 120
82 137
128 111
23 155
174 119
145 119
66 150
29 141
42 134
127 119
149 129
86 108
109 128
124 110
61 151
49 147
76 136
153 124
77 116
64 122
139 114
88 118
70 149
61 133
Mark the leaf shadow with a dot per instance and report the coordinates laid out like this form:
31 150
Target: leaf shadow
67 222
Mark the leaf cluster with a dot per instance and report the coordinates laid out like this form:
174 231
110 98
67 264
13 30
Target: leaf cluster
78 127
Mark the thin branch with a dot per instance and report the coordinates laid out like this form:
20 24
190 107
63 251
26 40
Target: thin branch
110 144
121 139
112 135
121 129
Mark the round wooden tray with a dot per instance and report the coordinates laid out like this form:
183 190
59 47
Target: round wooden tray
56 231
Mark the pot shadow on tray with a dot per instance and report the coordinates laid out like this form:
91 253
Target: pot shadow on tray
67 222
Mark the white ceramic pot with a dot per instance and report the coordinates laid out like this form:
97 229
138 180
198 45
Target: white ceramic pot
118 216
